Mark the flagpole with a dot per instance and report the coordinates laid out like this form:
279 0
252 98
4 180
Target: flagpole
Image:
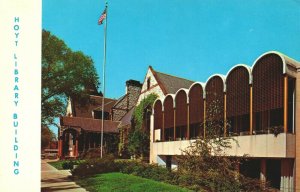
103 75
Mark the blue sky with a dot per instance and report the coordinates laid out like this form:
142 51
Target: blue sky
192 39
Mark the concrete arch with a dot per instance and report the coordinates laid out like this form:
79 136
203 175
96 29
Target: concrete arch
198 83
154 103
275 53
186 92
217 75
248 68
173 98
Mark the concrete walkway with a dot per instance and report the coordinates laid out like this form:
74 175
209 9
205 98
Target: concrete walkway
57 180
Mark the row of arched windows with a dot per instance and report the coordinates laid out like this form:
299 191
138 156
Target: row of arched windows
247 101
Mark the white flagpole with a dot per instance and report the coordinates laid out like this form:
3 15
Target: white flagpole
103 75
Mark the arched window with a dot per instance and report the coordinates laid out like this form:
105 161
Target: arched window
238 100
158 118
181 115
268 92
148 83
169 118
196 106
215 105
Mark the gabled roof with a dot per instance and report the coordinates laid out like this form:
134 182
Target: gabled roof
94 103
169 83
89 124
126 120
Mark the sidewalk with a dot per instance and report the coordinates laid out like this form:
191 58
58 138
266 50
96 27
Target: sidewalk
57 180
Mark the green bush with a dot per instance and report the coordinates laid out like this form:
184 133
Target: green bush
95 166
150 171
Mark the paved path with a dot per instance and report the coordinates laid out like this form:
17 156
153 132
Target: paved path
57 180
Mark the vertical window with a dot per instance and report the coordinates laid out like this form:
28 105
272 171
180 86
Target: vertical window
148 83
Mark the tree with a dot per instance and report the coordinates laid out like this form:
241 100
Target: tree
205 164
65 74
47 137
139 136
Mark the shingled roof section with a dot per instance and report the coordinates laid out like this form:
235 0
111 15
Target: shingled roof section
94 103
171 83
89 124
126 120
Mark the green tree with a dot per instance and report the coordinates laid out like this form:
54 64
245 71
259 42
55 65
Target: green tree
47 137
205 164
65 74
139 136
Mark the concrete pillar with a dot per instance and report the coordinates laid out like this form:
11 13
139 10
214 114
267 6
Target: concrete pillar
204 118
174 124
225 118
251 110
285 104
163 127
152 138
188 122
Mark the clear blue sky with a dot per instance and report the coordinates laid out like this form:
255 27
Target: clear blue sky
192 39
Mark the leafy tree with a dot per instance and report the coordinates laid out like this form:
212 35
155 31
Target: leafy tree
47 137
65 74
205 165
139 136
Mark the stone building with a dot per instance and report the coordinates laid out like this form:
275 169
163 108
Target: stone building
81 127
263 104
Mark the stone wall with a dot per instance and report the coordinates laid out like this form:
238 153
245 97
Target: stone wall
125 103
154 87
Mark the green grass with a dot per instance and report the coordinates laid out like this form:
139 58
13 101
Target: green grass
124 182
57 164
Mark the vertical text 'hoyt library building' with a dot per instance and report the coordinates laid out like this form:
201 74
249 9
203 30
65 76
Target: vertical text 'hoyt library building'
262 104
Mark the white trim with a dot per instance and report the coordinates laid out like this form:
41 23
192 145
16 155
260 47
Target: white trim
162 108
202 86
217 75
248 68
173 97
186 93
272 52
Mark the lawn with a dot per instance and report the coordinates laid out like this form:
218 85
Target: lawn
59 164
124 182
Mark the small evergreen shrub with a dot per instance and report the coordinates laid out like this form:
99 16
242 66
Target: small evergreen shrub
95 166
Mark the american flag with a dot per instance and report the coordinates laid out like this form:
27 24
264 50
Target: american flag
102 17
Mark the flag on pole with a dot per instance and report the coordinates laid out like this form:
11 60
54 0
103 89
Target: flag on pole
102 17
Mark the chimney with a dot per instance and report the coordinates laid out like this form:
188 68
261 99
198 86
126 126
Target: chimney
133 87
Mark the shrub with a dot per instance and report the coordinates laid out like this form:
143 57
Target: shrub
95 166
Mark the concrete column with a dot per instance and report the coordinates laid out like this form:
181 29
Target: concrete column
263 171
174 124
163 127
152 138
225 120
251 110
188 122
204 118
285 104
